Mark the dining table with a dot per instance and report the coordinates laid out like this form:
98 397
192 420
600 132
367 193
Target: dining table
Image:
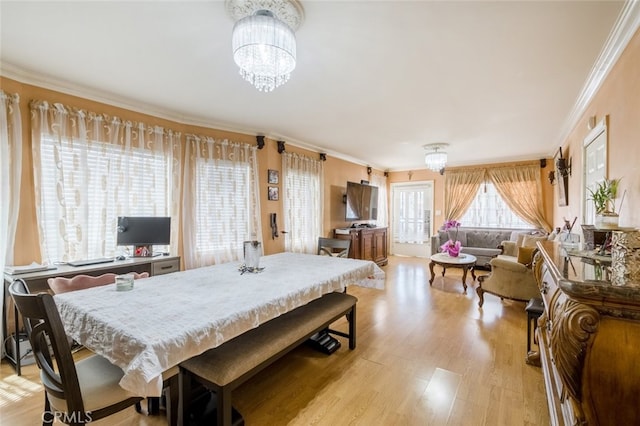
166 319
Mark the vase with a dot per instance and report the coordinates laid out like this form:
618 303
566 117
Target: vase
252 250
451 248
607 220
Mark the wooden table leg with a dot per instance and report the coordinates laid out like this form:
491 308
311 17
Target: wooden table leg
464 277
473 272
433 275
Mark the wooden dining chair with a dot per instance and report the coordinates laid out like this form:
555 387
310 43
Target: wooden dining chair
334 247
75 393
80 282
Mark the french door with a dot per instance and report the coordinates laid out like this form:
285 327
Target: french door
411 218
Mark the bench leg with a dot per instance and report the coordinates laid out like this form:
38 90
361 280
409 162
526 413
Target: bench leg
184 398
352 328
223 405
172 397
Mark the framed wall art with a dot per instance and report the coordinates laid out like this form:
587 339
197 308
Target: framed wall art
273 177
273 193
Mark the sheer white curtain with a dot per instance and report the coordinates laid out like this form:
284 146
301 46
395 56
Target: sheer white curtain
302 185
10 172
221 200
383 203
91 168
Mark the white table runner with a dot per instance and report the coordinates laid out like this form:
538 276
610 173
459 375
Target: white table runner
167 319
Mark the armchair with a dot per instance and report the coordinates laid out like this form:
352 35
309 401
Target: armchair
511 278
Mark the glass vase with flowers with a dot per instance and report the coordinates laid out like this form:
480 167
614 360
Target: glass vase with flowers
452 247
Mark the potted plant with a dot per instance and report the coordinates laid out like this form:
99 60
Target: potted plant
603 197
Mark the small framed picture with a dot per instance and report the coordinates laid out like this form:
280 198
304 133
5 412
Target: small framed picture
273 193
273 177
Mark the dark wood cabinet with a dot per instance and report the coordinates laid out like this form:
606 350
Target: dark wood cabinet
366 243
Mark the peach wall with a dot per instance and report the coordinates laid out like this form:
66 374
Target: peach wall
619 98
337 172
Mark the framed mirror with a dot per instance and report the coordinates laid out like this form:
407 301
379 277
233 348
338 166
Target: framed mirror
594 166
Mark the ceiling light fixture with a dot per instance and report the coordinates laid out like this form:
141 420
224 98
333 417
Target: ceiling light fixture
263 40
435 159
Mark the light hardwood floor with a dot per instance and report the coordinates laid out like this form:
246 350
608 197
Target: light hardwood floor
425 356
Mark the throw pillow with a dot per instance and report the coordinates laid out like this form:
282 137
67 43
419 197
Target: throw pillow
531 240
525 255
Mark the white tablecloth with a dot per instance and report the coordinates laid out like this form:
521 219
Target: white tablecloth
167 319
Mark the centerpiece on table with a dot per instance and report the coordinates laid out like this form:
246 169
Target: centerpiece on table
452 247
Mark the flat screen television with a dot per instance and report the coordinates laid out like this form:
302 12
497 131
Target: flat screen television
143 233
362 202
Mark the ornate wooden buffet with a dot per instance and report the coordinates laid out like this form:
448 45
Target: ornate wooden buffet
589 340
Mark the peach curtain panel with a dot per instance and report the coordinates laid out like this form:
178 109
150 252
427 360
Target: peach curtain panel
10 172
460 188
221 203
90 168
521 188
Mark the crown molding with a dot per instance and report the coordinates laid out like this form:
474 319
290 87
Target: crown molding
625 27
67 87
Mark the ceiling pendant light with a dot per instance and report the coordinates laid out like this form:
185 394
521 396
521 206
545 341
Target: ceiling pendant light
263 40
436 158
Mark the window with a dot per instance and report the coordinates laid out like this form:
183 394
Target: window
302 188
221 202
85 187
223 208
488 210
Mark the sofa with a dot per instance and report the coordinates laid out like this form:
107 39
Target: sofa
483 243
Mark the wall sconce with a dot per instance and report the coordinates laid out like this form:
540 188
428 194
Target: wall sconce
280 146
563 168
368 170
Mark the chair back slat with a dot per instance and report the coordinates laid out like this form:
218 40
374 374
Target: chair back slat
333 247
80 282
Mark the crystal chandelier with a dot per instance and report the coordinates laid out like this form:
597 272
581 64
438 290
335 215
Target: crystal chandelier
263 40
435 159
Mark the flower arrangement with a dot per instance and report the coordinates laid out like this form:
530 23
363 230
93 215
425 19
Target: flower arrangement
453 246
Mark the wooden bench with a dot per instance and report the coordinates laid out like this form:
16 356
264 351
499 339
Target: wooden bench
226 367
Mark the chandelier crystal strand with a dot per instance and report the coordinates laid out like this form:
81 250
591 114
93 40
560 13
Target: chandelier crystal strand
265 50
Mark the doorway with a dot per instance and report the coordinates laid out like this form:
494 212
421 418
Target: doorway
411 218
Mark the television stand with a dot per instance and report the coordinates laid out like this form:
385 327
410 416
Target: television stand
366 243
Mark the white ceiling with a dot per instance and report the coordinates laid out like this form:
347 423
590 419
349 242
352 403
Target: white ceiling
375 81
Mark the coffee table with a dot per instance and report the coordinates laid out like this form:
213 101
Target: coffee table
464 261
